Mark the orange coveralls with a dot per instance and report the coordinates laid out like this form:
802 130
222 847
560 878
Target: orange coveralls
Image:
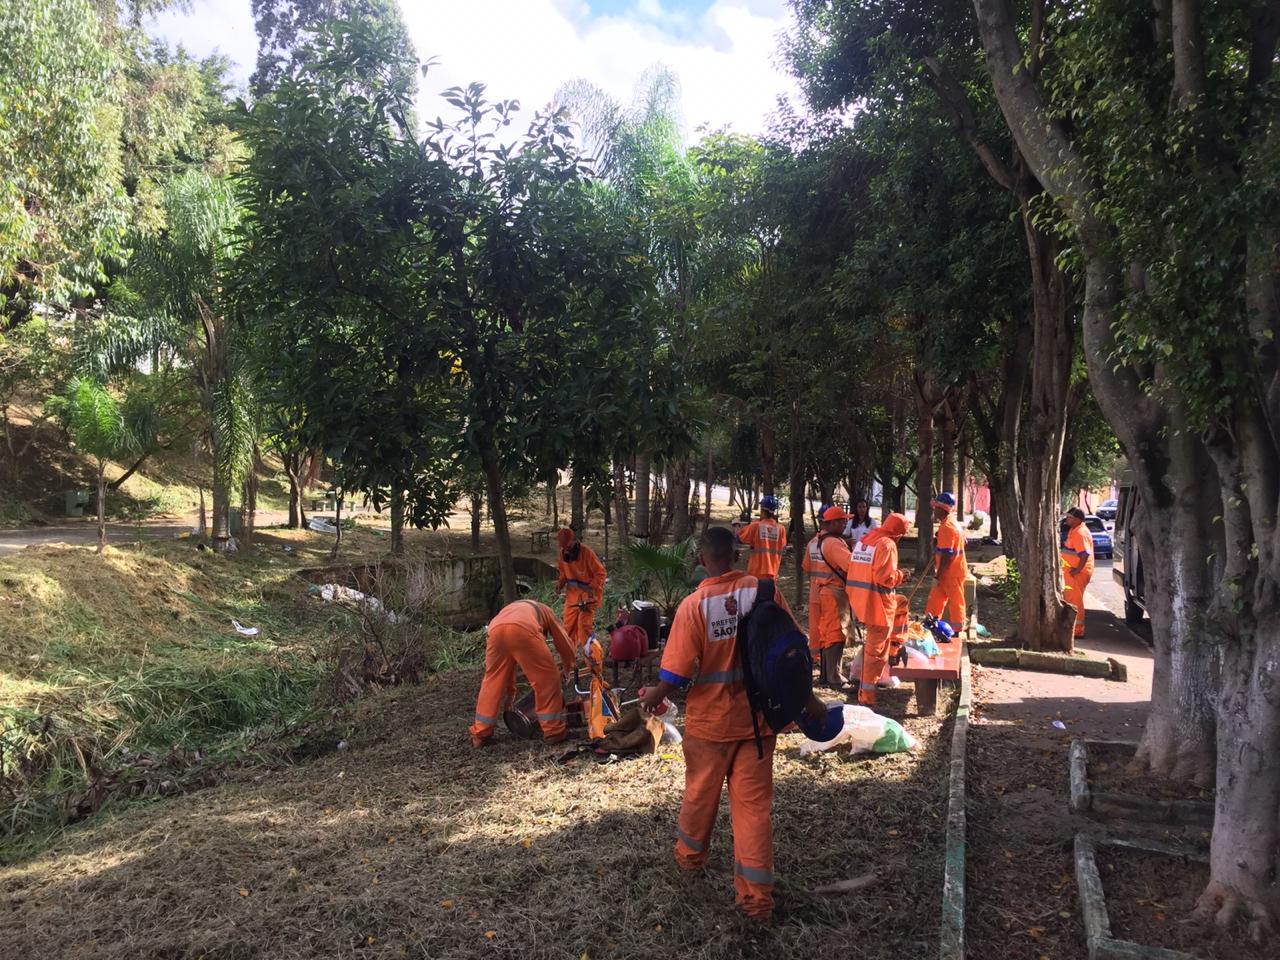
583 580
832 604
517 636
949 590
1079 546
767 538
719 740
873 577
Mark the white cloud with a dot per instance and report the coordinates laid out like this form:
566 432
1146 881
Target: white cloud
525 49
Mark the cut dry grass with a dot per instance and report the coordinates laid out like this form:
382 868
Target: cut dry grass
411 844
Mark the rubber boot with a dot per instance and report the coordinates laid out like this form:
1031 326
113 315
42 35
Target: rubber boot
822 667
837 654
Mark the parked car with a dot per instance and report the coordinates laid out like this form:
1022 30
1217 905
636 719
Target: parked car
1108 509
1127 569
1103 549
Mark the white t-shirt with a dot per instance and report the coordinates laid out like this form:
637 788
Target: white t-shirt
855 533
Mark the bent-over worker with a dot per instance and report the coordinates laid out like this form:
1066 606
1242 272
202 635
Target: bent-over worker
873 580
949 565
766 538
719 741
582 577
1077 564
517 635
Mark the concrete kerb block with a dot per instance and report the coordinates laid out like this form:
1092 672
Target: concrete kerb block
1106 805
952 938
1109 669
1093 905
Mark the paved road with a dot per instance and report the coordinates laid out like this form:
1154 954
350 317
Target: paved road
87 533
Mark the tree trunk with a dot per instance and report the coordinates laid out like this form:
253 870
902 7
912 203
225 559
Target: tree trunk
477 509
118 482
292 467
250 506
924 476
221 515
498 513
948 448
577 509
768 458
102 506
962 478
796 492
621 508
1045 621
397 521
643 467
679 472
711 480
995 522
337 522
203 528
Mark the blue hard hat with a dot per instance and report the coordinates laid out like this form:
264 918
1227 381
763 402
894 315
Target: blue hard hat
830 727
769 503
945 498
943 629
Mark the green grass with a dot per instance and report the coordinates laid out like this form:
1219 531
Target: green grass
122 675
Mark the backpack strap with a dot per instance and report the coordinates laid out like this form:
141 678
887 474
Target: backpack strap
764 594
843 578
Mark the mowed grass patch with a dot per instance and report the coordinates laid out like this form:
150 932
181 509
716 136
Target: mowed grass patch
411 843
123 675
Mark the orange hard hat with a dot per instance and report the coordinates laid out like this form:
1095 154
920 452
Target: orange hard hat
834 513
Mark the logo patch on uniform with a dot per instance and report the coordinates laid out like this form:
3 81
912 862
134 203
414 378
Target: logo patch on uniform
862 553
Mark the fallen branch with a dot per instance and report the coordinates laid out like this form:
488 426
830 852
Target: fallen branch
852 885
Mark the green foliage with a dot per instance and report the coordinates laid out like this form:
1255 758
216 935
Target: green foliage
662 572
95 420
61 203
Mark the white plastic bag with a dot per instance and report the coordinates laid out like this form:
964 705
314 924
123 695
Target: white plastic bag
865 731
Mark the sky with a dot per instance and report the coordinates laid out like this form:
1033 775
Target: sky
724 51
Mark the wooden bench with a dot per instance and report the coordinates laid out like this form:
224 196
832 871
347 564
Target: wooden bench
540 540
945 666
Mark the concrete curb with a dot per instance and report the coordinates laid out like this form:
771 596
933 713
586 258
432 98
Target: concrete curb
1109 669
1103 804
1093 905
952 944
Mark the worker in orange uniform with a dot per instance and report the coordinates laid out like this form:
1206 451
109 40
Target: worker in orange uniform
517 635
833 605
1077 563
719 738
582 583
766 538
872 589
818 575
949 565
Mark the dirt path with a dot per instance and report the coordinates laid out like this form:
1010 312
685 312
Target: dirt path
1022 898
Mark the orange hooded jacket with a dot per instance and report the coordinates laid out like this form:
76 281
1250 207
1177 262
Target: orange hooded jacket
874 573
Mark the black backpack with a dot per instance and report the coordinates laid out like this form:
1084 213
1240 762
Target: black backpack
777 667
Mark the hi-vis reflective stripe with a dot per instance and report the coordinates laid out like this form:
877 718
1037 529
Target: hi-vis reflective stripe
773 549
689 842
752 874
481 718
1076 553
721 676
549 716
821 576
873 587
947 550
580 584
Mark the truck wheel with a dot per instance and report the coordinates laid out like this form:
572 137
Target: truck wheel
1132 612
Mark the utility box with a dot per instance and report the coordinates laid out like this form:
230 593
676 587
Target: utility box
76 501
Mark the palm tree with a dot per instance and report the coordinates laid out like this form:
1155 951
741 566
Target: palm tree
640 153
99 428
171 303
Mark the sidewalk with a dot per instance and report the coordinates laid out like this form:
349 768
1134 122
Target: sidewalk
1089 707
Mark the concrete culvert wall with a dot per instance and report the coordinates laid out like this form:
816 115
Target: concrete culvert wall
466 590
